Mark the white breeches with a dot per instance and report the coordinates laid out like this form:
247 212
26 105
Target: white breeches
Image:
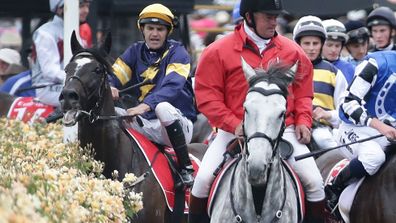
49 95
211 160
306 169
370 153
154 129
323 137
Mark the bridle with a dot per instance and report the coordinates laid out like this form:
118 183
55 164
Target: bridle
274 142
103 71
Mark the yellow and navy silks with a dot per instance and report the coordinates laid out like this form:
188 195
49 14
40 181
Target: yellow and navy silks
169 70
324 78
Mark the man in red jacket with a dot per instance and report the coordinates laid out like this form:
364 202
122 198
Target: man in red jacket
221 87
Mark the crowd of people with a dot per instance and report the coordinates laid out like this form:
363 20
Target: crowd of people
344 88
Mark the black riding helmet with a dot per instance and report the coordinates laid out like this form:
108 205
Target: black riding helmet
357 32
381 16
267 6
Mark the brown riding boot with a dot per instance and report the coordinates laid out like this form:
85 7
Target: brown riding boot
315 212
197 213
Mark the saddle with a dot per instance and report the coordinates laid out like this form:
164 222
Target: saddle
232 156
163 163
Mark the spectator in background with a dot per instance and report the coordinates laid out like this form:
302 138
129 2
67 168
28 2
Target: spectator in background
47 55
236 17
10 64
85 29
20 84
357 43
382 23
11 38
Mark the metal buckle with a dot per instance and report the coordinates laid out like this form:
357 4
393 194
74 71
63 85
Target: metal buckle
238 219
278 214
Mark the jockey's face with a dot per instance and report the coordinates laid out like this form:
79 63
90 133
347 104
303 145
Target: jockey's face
311 46
357 50
265 23
331 50
154 35
381 35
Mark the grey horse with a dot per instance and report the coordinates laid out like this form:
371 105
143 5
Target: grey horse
258 188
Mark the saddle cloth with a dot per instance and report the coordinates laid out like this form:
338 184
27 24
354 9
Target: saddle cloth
293 175
348 194
161 169
28 110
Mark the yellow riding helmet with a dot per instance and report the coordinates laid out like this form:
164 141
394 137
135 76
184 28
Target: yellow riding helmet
156 14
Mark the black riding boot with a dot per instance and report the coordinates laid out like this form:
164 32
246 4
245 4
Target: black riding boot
176 137
354 169
197 212
315 212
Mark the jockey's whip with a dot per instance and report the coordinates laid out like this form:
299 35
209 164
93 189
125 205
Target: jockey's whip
320 152
33 87
145 82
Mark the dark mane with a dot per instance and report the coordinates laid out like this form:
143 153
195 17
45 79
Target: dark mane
276 74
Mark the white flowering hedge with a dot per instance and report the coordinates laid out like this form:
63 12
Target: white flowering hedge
44 180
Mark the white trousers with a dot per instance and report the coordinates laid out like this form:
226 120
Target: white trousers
154 129
370 153
324 137
306 169
49 95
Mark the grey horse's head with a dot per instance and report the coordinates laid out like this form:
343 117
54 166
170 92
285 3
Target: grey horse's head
265 108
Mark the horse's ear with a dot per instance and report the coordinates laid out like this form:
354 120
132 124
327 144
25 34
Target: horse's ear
291 73
247 69
106 45
75 45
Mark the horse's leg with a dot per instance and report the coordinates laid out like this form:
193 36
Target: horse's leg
154 204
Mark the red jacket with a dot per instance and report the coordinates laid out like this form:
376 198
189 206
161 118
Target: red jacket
221 87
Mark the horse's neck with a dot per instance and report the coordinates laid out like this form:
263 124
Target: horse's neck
111 143
5 103
89 133
272 192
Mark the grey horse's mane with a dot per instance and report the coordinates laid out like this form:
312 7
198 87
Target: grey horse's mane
276 74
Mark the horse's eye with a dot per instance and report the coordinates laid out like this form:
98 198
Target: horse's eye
281 115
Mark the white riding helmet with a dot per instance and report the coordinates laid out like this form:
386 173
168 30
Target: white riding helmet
335 30
309 26
55 4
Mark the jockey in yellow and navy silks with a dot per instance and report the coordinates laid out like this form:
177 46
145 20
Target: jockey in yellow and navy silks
168 68
166 111
311 35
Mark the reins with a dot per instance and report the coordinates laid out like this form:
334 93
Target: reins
103 70
274 144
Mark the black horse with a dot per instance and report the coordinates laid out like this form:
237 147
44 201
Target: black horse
375 199
86 97
5 103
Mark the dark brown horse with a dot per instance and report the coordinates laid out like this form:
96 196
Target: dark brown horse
86 96
375 199
5 103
